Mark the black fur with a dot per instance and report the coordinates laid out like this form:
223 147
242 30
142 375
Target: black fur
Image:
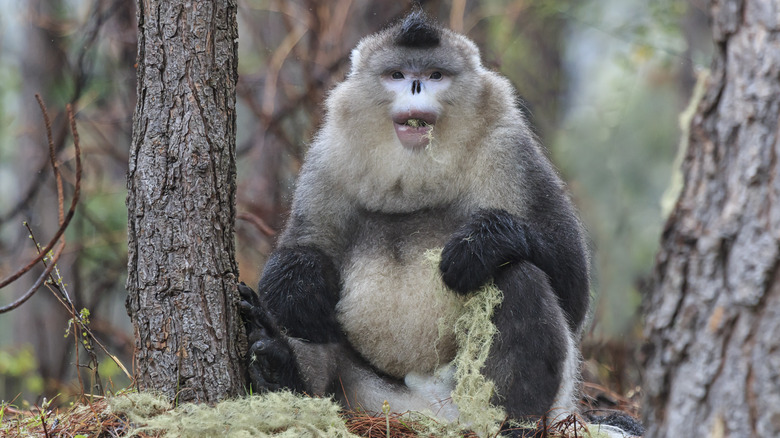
270 363
555 246
494 240
418 31
526 359
300 286
475 252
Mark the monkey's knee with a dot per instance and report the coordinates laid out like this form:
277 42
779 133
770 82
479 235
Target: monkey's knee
532 360
300 287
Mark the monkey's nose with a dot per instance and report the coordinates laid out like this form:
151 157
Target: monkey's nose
416 86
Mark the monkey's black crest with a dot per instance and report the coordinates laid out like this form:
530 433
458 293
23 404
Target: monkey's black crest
418 31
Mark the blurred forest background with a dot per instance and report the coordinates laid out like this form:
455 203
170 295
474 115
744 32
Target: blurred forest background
605 80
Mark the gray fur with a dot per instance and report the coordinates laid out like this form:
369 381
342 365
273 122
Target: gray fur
375 207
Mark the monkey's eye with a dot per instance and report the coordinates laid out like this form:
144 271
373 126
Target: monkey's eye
397 75
436 75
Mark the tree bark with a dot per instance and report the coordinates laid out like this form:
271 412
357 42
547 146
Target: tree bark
182 272
713 315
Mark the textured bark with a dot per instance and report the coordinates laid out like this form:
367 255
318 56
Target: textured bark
713 316
181 201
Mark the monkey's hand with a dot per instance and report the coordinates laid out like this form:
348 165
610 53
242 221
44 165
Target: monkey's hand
474 253
270 361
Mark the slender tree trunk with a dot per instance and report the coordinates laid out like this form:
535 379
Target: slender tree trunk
713 316
182 272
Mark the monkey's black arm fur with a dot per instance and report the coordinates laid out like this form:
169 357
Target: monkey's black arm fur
300 286
494 239
298 292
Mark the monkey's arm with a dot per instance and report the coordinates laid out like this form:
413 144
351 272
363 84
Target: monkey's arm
494 238
270 363
298 292
300 287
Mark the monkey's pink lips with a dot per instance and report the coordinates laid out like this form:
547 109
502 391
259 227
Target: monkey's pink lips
414 128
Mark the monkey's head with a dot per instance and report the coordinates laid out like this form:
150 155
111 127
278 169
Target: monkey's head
416 68
413 72
405 122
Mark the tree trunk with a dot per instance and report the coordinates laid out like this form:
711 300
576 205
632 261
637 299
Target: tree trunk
713 316
181 185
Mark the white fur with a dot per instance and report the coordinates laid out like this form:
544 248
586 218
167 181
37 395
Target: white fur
391 313
437 389
565 402
427 393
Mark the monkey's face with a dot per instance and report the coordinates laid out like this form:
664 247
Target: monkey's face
415 105
412 97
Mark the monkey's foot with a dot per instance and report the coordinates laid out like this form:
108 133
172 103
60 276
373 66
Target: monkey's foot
270 365
270 361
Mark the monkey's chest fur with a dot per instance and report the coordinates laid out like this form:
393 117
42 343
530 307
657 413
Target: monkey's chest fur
394 308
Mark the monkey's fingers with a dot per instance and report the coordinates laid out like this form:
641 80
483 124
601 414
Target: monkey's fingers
258 321
248 294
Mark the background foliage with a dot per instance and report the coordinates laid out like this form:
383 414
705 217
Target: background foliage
604 80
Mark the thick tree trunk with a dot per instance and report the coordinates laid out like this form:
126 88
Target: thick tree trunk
181 201
713 316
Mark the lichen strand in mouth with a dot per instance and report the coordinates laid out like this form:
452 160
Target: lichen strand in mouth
416 123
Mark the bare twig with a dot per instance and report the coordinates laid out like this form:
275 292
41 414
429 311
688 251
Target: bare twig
258 223
26 296
53 160
64 222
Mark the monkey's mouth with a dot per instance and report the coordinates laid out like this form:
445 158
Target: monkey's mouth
414 129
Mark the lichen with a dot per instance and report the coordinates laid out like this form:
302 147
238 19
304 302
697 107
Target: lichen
474 333
273 414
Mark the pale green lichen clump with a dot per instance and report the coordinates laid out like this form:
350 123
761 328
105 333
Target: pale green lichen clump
474 331
273 414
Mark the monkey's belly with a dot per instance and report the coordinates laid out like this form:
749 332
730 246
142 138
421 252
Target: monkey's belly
399 316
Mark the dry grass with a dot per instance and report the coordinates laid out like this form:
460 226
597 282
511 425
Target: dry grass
92 419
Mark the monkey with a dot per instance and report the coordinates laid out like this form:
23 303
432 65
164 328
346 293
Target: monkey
422 148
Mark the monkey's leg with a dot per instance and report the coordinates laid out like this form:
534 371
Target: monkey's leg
493 238
300 287
533 360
